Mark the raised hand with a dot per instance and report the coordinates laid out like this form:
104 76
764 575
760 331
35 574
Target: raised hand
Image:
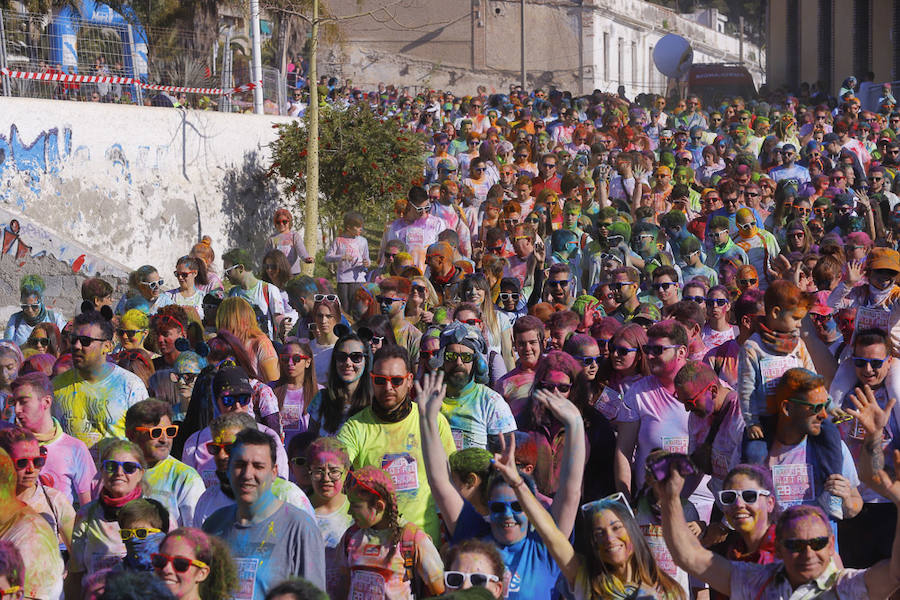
505 462
559 406
854 272
868 414
430 394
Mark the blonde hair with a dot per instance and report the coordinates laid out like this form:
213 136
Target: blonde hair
236 316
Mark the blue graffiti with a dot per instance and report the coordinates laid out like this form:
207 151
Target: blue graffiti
43 156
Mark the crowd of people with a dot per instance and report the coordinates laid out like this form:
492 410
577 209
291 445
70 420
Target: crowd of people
609 348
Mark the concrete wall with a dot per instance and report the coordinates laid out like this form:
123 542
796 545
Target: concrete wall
462 44
133 185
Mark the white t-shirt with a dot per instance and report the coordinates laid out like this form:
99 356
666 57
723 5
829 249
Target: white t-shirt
257 296
750 581
177 486
175 297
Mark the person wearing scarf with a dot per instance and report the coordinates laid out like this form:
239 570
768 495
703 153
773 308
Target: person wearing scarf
144 522
386 435
723 247
760 246
20 324
96 540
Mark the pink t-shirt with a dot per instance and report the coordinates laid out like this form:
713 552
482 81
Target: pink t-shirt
69 467
726 447
664 422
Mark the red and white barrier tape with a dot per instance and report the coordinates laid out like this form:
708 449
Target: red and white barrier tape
69 78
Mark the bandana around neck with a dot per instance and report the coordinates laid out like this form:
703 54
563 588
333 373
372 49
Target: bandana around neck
785 343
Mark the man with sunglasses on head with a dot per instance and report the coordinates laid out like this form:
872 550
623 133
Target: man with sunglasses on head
269 539
90 400
417 229
148 424
232 393
477 414
219 493
386 435
69 467
266 297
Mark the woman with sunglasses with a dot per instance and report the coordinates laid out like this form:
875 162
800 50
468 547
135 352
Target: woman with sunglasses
188 273
236 316
28 458
497 327
296 388
422 299
45 339
96 542
348 386
144 288
31 294
717 329
474 563
195 565
797 239
289 242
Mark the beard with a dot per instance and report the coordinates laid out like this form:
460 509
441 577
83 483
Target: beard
458 377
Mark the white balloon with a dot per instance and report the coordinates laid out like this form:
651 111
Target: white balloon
673 56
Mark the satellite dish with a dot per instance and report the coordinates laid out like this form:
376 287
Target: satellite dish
673 56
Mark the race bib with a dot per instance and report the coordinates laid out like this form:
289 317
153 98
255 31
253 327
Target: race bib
872 318
290 415
607 403
675 444
464 439
772 368
403 470
794 484
246 568
653 535
366 585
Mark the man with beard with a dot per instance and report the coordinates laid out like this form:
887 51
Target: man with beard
386 435
90 400
477 414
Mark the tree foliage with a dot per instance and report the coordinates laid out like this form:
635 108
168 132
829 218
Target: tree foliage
365 164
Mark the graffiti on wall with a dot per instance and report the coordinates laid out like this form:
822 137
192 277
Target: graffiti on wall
33 161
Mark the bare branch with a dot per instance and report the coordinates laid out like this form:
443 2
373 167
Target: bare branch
374 13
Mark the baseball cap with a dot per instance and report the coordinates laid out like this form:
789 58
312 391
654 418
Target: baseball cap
233 380
830 137
820 303
883 258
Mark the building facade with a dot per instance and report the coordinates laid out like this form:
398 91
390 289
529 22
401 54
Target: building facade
575 45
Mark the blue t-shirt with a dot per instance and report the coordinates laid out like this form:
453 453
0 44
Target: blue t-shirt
470 524
533 572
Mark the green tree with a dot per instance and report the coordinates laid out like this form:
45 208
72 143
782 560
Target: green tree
365 164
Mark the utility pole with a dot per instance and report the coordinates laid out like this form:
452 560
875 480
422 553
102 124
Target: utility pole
522 42
256 66
741 39
310 236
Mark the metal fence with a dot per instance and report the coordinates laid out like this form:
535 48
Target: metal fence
38 53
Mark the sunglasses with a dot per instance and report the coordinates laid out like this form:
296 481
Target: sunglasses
500 507
42 341
697 299
111 467
457 579
140 533
465 357
558 283
860 362
618 285
621 350
179 563
387 300
156 432
729 497
31 306
354 357
299 461
230 400
504 296
185 274
816 408
232 268
820 318
747 282
657 349
716 302
587 360
129 332
36 462
323 297
664 285
154 285
798 545
562 388
293 358
473 322
84 340
215 447
382 380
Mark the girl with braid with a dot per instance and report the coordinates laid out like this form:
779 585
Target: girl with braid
384 555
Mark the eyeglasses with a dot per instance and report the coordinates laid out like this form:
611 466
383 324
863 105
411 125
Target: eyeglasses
697 299
558 283
798 545
816 408
185 274
179 563
729 497
293 358
382 380
156 432
333 473
657 349
155 285
230 400
860 362
465 357
747 282
587 360
129 332
665 285
354 357
505 296
84 340
500 507
716 302
457 579
215 447
562 388
111 467
30 306
36 462
322 297
140 533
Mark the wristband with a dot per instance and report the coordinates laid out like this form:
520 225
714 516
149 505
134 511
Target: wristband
517 484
